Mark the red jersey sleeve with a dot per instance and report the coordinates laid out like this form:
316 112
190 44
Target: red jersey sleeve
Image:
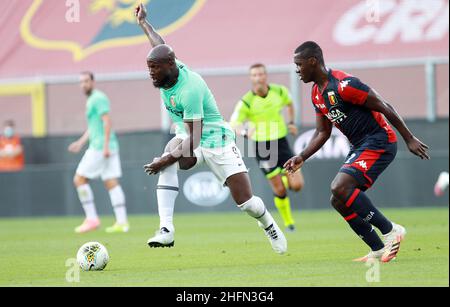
353 91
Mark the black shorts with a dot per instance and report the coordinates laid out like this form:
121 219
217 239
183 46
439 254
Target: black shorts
367 161
272 155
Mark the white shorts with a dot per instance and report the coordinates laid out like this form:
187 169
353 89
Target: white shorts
223 162
94 165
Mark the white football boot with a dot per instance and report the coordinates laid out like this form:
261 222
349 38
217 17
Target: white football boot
372 256
163 238
276 238
392 242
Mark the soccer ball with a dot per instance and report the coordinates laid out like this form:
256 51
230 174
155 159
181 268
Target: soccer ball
92 256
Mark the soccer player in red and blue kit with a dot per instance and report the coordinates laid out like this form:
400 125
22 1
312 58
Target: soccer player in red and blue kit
360 113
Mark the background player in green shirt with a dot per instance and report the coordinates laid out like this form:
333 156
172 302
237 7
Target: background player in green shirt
261 108
202 136
101 159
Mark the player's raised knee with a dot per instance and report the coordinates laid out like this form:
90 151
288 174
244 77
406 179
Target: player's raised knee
338 190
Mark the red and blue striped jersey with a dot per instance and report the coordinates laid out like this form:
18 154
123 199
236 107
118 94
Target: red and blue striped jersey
342 102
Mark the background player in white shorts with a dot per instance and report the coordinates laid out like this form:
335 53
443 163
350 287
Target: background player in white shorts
101 160
208 139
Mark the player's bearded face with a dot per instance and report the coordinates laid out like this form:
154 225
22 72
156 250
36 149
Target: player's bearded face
86 84
160 74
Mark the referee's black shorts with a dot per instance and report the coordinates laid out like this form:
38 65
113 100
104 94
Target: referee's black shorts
272 155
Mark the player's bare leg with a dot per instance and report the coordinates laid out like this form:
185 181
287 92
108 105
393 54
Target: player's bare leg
241 191
86 196
296 181
167 192
118 203
357 209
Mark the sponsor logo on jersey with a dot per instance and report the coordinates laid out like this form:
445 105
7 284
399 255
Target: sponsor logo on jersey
321 106
343 84
172 101
336 116
173 111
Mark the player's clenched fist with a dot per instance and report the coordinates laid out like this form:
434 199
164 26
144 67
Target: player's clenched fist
140 12
293 164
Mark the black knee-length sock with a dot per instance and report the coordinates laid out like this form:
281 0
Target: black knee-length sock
361 204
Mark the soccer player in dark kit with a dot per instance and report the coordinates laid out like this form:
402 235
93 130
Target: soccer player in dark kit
360 113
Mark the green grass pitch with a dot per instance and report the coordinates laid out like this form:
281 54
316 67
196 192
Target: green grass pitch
225 249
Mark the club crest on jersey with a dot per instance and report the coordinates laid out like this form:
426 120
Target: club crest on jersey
332 98
172 101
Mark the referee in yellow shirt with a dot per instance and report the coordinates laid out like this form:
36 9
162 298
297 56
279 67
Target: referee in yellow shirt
258 116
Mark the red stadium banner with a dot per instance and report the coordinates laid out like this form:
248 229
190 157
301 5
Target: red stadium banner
54 37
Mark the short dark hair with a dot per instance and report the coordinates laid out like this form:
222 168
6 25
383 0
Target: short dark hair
310 49
258 65
88 73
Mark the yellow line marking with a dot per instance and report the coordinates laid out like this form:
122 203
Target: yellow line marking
38 103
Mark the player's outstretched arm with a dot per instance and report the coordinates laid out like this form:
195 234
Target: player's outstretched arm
320 137
376 103
141 15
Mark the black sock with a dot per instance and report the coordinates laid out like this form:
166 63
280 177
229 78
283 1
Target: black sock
365 231
361 204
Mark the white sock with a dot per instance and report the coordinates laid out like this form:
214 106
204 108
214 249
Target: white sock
118 202
167 192
255 208
87 201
